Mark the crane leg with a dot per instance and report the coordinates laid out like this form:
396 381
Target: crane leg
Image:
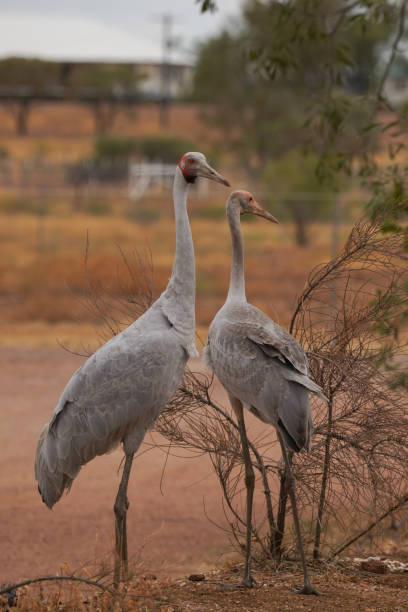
308 588
248 579
120 509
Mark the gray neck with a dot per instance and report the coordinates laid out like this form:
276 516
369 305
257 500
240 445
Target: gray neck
183 273
237 281
178 299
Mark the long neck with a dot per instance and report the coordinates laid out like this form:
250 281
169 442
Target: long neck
182 280
237 281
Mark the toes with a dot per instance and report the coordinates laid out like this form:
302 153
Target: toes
307 589
249 582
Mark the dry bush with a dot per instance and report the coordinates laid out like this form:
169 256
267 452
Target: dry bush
347 320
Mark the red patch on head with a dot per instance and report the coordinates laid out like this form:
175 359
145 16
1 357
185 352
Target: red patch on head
186 166
182 163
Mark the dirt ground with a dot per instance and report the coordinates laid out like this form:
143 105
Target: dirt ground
169 533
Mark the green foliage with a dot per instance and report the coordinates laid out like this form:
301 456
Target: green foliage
311 75
23 72
114 147
295 191
14 206
305 75
282 79
143 213
38 75
105 78
211 212
294 178
97 206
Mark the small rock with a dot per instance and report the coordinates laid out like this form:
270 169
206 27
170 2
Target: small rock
196 577
374 566
149 577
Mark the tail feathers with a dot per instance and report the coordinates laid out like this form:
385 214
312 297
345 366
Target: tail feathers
303 439
295 420
290 442
52 479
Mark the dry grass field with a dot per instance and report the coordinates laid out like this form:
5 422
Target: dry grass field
48 284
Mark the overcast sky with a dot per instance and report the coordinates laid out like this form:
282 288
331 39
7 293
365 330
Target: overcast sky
103 29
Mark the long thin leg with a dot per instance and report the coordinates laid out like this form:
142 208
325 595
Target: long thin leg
120 509
308 588
248 579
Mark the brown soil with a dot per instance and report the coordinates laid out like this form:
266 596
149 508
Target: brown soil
169 533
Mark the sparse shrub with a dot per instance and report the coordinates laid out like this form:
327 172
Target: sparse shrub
97 206
114 147
109 170
143 214
4 153
211 212
12 205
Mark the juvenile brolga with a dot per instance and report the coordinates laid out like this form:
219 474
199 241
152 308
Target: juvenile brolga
263 369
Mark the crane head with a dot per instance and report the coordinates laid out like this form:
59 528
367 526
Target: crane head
194 164
246 203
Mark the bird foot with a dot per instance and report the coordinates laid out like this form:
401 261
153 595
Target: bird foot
307 589
248 582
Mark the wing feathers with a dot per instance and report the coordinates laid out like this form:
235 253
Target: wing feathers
305 381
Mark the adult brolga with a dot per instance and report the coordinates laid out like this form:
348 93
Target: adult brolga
121 389
263 369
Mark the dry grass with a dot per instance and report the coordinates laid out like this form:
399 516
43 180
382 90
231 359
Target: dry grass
42 276
43 281
65 131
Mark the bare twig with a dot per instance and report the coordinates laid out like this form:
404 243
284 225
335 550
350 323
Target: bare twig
93 583
399 504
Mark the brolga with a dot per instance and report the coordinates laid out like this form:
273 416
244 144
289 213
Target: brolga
263 369
117 394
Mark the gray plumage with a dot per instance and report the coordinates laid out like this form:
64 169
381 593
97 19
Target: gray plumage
256 360
114 397
263 369
263 366
121 389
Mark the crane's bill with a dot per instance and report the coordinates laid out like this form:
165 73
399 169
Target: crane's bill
206 171
257 209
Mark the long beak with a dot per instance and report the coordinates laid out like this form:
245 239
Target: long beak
261 212
206 171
